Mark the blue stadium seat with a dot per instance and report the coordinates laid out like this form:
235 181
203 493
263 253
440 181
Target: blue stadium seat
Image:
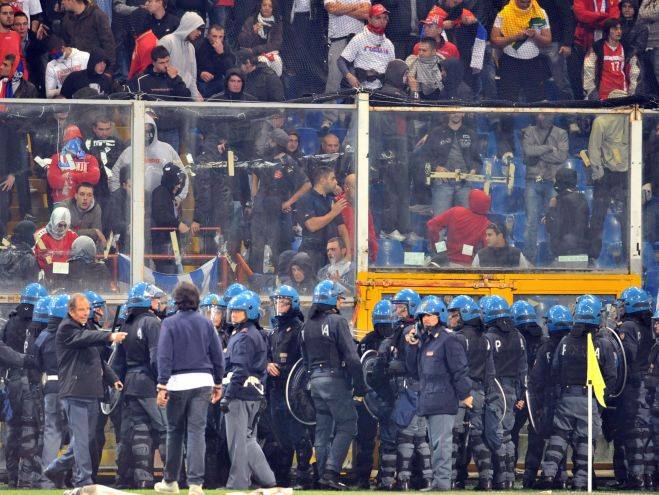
313 119
649 256
309 142
651 281
611 231
390 253
339 132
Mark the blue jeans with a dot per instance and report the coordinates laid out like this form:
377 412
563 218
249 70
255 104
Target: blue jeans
336 416
187 411
537 198
52 428
440 432
81 415
448 194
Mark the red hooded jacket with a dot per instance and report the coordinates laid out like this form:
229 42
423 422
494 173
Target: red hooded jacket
464 226
63 184
144 43
589 18
57 250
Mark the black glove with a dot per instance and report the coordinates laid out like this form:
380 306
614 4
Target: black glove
224 405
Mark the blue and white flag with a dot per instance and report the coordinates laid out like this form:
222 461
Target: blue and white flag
205 278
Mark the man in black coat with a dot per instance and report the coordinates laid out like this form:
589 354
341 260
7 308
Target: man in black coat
214 58
160 78
83 376
260 80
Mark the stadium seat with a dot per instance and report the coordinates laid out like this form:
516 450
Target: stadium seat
390 253
313 119
339 132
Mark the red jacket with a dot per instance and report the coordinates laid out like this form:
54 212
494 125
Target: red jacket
10 43
63 184
56 250
464 226
144 43
348 214
590 19
446 51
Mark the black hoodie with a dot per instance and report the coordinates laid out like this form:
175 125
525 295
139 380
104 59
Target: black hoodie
634 33
302 261
209 61
88 78
228 95
163 210
454 86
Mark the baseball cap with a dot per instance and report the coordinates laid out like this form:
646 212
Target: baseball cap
377 9
434 18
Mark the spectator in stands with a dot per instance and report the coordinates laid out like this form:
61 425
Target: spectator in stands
64 60
562 22
53 242
119 211
12 84
426 69
398 83
301 275
433 29
498 254
567 216
521 30
263 143
454 146
165 215
403 27
609 153
465 229
106 146
262 32
608 66
590 16
649 14
545 149
144 42
234 87
180 7
86 214
329 145
94 76
9 150
128 21
293 147
364 60
32 10
320 217
84 269
453 80
339 268
18 265
181 50
345 20
161 78
10 40
634 34
162 21
651 185
87 28
32 49
348 214
71 166
260 80
274 192
214 59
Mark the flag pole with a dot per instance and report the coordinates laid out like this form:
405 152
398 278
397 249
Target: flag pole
590 437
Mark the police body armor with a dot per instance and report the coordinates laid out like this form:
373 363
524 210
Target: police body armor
14 334
284 343
477 347
645 340
320 346
573 351
140 376
507 348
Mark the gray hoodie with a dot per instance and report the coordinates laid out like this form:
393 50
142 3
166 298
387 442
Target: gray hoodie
182 52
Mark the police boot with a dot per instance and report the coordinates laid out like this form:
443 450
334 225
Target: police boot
57 477
457 485
330 481
403 485
648 481
144 485
500 486
634 482
545 483
386 487
528 482
484 486
559 485
426 486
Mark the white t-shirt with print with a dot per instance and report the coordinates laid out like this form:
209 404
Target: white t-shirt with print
528 48
370 51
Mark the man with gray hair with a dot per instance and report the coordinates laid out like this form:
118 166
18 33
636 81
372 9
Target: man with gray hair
83 376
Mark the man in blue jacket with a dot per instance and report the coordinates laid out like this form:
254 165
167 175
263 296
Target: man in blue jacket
439 361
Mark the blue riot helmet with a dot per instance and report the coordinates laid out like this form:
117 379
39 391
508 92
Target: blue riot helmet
588 310
285 293
97 307
409 299
232 291
59 306
559 319
523 313
244 302
142 294
655 322
467 307
383 317
635 300
328 292
493 308
31 293
211 309
171 308
431 305
40 313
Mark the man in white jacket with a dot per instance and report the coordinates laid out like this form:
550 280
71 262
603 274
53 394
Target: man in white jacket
65 60
182 52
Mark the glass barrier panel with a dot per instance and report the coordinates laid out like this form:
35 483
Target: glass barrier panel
65 195
650 201
499 191
256 195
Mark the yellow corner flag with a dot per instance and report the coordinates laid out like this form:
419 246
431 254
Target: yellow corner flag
594 375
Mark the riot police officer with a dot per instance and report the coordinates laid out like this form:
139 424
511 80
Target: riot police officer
284 350
46 363
568 373
330 356
511 367
246 364
392 365
637 338
383 318
226 328
541 390
143 423
652 381
22 438
464 320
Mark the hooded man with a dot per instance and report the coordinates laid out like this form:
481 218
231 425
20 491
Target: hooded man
465 228
54 240
84 269
234 87
181 50
260 80
453 80
300 274
397 81
18 265
63 61
93 76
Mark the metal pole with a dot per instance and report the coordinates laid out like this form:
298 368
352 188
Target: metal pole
590 437
362 206
137 194
635 196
